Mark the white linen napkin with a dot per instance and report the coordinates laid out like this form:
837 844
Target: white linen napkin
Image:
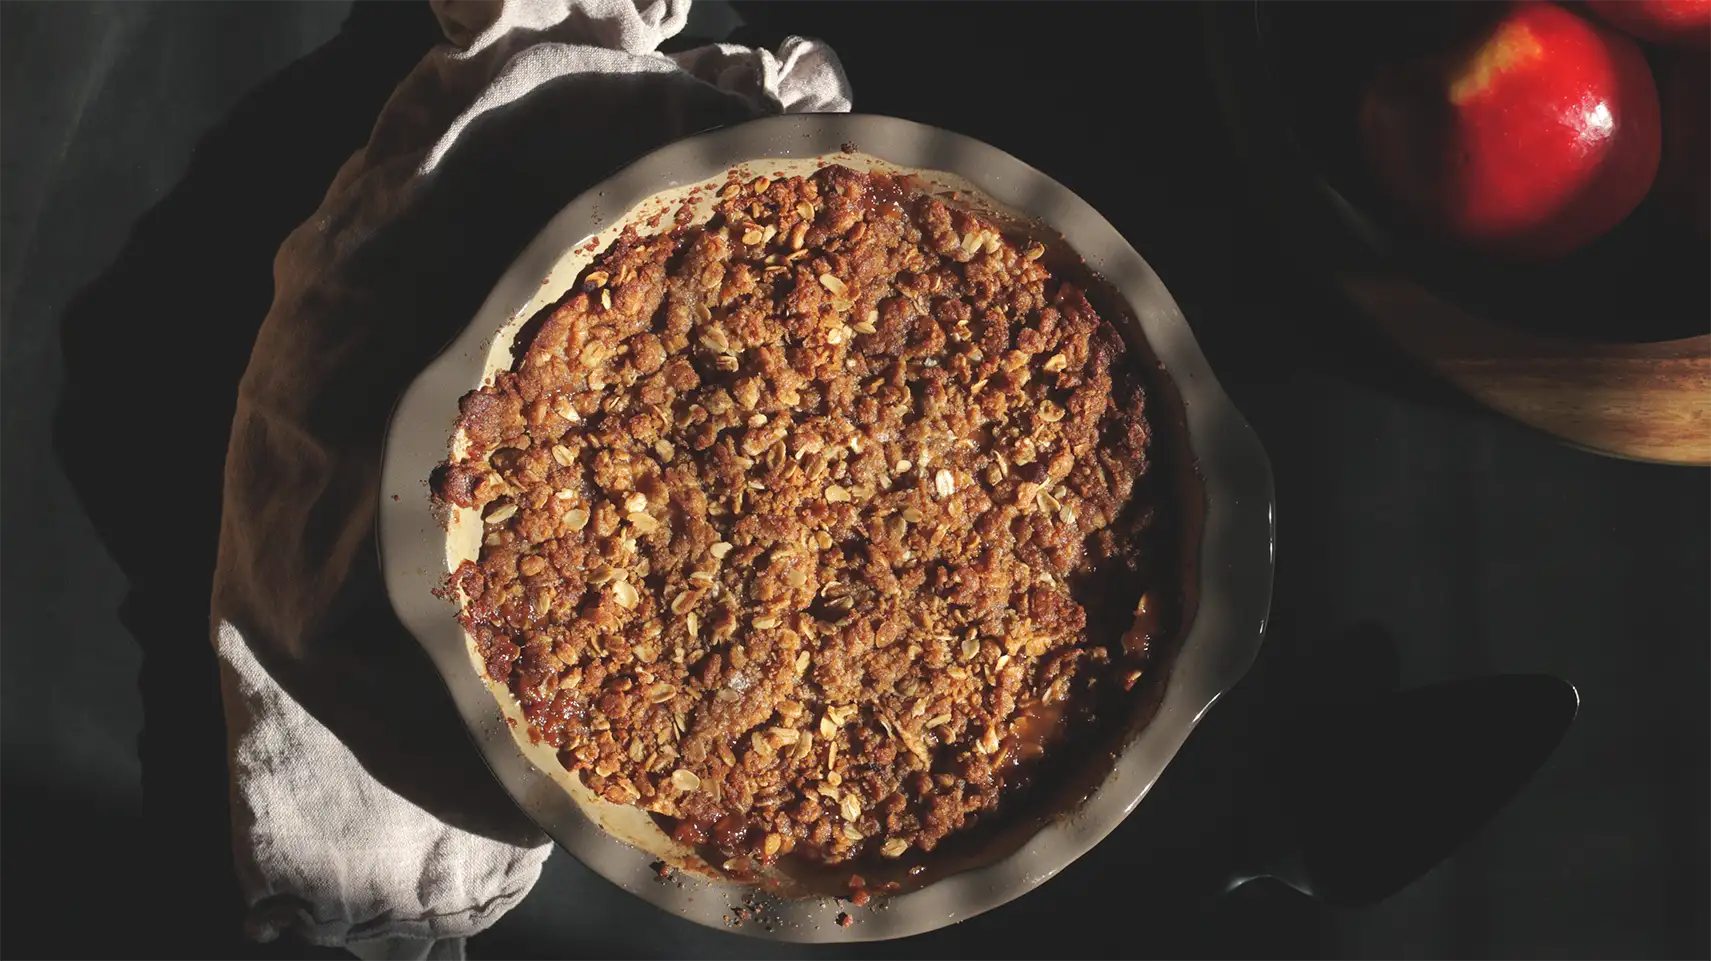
362 815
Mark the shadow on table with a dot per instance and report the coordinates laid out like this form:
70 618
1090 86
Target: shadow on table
153 352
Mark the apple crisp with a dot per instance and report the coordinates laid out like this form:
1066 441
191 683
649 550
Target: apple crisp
812 527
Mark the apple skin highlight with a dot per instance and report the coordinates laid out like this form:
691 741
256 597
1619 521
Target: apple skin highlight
1527 144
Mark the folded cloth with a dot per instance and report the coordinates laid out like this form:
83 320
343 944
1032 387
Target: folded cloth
362 814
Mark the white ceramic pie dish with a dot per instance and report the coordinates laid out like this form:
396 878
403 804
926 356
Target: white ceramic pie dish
1230 559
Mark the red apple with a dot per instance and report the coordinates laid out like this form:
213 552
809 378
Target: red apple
1684 173
1527 143
1675 23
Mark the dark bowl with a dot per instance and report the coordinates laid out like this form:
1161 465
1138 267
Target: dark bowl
1291 75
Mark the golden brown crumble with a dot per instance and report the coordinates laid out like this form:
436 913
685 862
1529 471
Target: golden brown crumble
794 519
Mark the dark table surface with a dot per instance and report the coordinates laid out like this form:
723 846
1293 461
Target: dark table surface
168 148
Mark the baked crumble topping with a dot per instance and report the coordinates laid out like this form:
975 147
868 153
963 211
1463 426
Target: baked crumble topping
795 520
